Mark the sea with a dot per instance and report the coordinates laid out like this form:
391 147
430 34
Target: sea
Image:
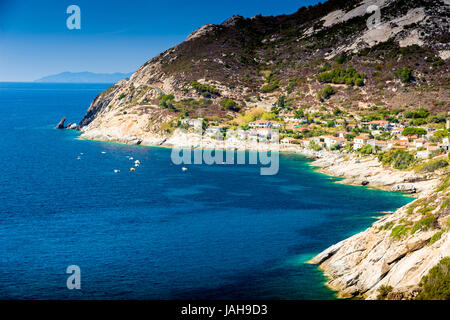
159 232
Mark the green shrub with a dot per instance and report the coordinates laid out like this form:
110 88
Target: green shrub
436 237
204 89
417 114
445 184
340 59
367 149
166 101
445 204
404 74
325 93
436 284
386 226
347 76
433 165
399 231
383 292
230 104
399 159
272 84
423 224
408 131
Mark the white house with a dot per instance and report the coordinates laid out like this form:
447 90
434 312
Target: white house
379 124
359 142
193 122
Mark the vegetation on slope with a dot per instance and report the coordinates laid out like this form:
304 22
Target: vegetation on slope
436 284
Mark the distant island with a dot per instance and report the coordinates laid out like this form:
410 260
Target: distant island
84 77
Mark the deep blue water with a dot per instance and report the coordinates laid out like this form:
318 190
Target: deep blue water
158 233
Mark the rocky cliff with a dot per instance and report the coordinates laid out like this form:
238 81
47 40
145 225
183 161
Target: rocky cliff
389 259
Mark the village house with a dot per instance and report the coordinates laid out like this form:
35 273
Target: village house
392 143
375 132
304 143
290 117
342 133
260 124
287 140
419 143
265 124
193 122
396 131
397 147
379 124
446 144
264 133
359 142
381 145
237 135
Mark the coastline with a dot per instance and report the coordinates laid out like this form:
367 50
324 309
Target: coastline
359 265
352 169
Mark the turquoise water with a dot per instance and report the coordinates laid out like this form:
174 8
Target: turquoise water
213 232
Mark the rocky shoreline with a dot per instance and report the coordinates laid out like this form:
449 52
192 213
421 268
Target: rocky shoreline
398 249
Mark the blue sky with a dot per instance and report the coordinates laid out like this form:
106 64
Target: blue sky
115 36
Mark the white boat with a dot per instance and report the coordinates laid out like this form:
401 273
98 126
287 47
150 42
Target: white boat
184 169
116 171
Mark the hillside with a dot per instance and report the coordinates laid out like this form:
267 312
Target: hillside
255 60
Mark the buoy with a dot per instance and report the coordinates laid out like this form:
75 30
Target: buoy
132 169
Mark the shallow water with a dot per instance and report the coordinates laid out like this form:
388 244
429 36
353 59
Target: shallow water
158 233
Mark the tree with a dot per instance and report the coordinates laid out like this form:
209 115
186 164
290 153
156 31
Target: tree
347 76
230 104
325 93
404 74
409 131
417 114
367 149
281 102
299 113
